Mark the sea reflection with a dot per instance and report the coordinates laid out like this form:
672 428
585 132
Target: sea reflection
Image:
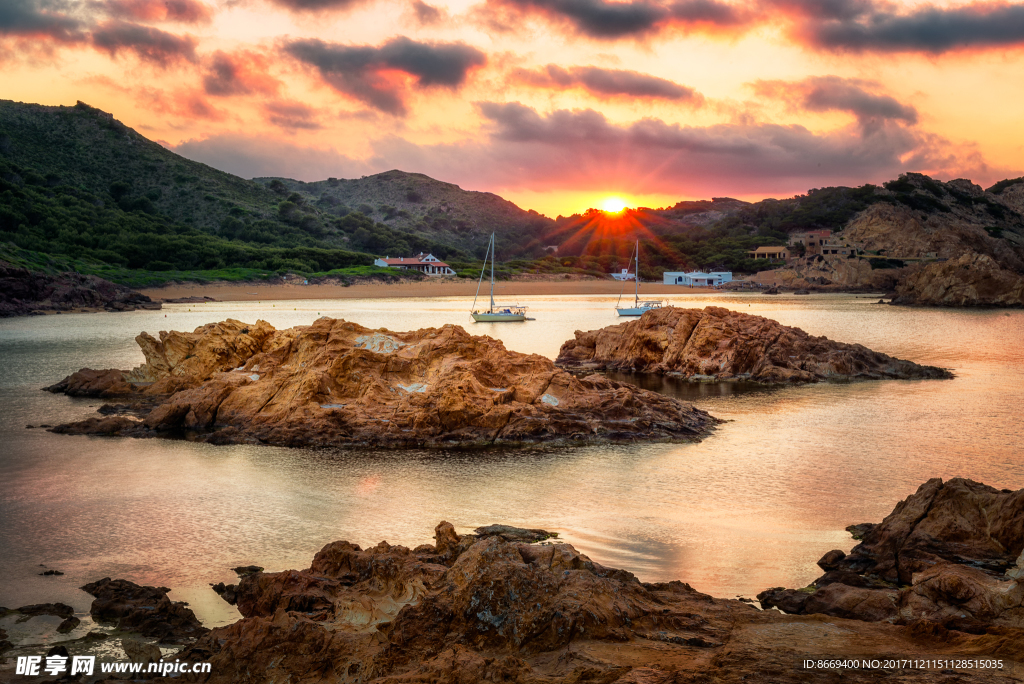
752 506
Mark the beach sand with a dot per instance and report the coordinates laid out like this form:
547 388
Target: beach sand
267 291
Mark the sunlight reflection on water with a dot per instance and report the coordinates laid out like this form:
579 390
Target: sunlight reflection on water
753 506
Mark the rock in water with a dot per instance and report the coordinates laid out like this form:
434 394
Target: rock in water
335 382
719 344
953 553
482 608
23 292
142 609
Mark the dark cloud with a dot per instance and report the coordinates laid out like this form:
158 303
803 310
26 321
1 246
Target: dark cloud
29 18
182 11
833 93
291 115
148 43
317 5
926 29
607 82
611 20
428 15
241 73
360 71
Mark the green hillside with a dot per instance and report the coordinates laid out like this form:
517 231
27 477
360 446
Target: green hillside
442 213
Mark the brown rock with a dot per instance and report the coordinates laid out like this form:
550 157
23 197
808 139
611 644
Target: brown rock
24 292
501 611
335 382
719 344
949 554
969 280
143 609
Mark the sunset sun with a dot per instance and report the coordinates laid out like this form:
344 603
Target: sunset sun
613 205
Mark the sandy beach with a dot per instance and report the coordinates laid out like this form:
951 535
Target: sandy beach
260 291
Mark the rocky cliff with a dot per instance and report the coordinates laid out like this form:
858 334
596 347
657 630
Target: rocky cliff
25 292
970 280
485 608
335 382
719 344
952 554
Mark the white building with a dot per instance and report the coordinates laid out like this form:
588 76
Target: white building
697 278
424 263
624 275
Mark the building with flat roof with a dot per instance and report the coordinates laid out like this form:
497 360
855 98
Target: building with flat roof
424 263
812 240
769 253
696 278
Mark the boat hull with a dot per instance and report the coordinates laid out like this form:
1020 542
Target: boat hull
497 317
635 311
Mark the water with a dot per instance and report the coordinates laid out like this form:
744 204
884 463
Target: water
753 506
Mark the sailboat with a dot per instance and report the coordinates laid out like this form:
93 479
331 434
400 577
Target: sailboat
638 307
497 313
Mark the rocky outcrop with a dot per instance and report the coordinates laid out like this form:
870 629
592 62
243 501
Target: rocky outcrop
335 382
953 553
718 344
970 280
472 608
145 610
24 292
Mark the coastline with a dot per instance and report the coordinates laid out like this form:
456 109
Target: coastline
260 291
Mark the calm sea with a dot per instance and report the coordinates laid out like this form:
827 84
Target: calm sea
753 506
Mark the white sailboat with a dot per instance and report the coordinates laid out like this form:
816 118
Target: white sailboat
497 313
639 307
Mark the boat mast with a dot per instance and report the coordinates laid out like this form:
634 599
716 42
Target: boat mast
636 277
492 272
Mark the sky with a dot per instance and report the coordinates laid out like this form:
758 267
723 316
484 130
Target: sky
557 105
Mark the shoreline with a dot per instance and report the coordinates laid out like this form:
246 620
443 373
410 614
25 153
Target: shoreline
259 291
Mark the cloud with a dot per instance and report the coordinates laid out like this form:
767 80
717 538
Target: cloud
148 43
29 18
564 150
182 11
291 115
251 156
240 73
377 75
863 26
317 5
607 82
833 93
428 15
605 20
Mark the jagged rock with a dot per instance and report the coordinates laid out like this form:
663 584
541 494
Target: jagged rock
953 553
335 382
143 609
473 609
228 592
970 280
719 344
61 610
24 292
68 625
139 651
509 533
243 570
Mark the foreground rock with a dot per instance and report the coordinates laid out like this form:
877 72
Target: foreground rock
145 610
474 608
335 382
24 292
952 554
719 344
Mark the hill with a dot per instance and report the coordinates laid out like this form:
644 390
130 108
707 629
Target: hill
440 212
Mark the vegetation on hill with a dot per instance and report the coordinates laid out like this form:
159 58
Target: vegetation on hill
80 189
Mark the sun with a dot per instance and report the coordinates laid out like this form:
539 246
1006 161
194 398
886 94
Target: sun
613 205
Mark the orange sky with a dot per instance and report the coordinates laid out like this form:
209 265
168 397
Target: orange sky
554 104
